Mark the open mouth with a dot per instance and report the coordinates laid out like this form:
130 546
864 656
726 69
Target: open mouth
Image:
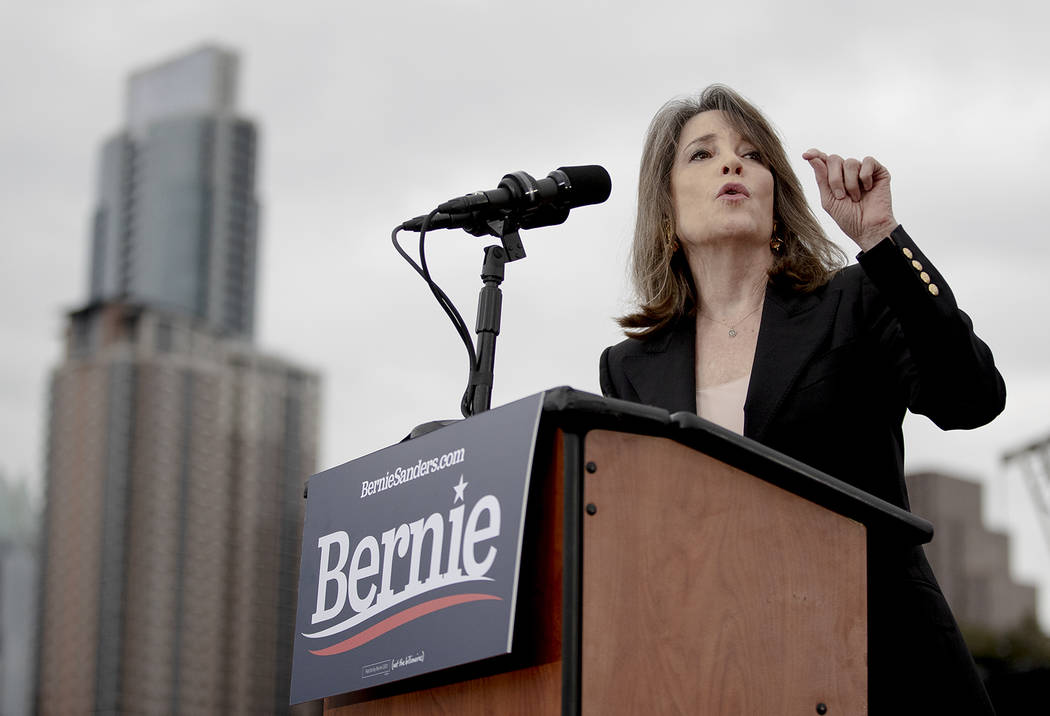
734 189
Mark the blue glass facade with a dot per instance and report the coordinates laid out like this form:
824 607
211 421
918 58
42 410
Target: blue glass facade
176 225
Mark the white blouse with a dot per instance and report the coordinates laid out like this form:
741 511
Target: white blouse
724 404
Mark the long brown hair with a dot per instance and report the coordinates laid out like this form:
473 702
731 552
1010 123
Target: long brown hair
807 258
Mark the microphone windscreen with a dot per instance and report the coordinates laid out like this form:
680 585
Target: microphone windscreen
591 184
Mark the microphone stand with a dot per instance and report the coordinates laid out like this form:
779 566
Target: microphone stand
490 306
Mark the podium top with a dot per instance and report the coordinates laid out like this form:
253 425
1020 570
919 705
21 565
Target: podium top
578 412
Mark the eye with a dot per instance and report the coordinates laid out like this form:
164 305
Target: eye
700 154
754 154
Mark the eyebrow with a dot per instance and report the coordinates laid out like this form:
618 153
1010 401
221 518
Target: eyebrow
709 137
699 140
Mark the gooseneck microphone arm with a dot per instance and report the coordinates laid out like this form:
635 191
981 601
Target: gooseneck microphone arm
519 202
477 397
490 308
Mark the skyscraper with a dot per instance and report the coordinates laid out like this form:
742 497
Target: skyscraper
177 219
176 451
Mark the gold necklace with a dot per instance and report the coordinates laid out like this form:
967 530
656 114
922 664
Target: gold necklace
732 328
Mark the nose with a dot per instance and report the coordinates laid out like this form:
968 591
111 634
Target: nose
732 166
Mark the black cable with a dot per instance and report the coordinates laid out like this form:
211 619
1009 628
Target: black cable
466 404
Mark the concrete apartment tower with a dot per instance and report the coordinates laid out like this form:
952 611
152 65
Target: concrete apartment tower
972 562
176 452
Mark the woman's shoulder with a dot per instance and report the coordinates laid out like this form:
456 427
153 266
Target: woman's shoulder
852 283
849 284
653 342
848 278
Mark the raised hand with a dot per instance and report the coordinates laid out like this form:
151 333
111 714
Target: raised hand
856 194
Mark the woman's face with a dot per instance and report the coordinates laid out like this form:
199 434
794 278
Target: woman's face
721 188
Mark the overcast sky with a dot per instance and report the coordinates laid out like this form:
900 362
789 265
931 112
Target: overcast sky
370 115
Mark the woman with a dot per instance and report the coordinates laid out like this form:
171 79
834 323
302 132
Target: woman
747 318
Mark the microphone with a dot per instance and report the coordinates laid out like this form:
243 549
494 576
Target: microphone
545 202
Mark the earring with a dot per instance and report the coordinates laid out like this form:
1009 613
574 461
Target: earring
776 244
670 240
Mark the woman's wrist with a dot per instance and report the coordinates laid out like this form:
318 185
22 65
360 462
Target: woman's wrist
873 236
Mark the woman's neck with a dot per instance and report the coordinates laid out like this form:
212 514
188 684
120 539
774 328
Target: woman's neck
730 279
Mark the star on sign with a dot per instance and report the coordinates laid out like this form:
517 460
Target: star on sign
459 490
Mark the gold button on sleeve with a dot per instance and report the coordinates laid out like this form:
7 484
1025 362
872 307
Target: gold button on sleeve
933 289
907 252
916 265
925 277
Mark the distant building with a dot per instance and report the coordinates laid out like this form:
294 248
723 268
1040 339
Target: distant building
177 451
18 575
177 218
972 563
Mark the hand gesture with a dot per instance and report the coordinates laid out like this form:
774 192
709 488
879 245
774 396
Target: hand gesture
856 194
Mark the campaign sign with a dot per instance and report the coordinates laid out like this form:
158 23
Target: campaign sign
411 554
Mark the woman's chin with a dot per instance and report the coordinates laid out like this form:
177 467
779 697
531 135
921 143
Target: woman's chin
737 237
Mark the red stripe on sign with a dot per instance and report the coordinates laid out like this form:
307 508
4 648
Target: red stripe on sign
393 622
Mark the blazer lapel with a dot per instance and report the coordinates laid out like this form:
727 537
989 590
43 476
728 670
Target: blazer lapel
664 374
793 327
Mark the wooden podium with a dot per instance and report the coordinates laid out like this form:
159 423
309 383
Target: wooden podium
671 566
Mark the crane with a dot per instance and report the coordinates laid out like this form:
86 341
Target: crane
1034 460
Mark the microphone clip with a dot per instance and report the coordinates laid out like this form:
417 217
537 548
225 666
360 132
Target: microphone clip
506 230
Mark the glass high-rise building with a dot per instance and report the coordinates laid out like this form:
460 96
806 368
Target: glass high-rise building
176 224
176 450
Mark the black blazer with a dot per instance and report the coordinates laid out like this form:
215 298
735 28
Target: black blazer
834 372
